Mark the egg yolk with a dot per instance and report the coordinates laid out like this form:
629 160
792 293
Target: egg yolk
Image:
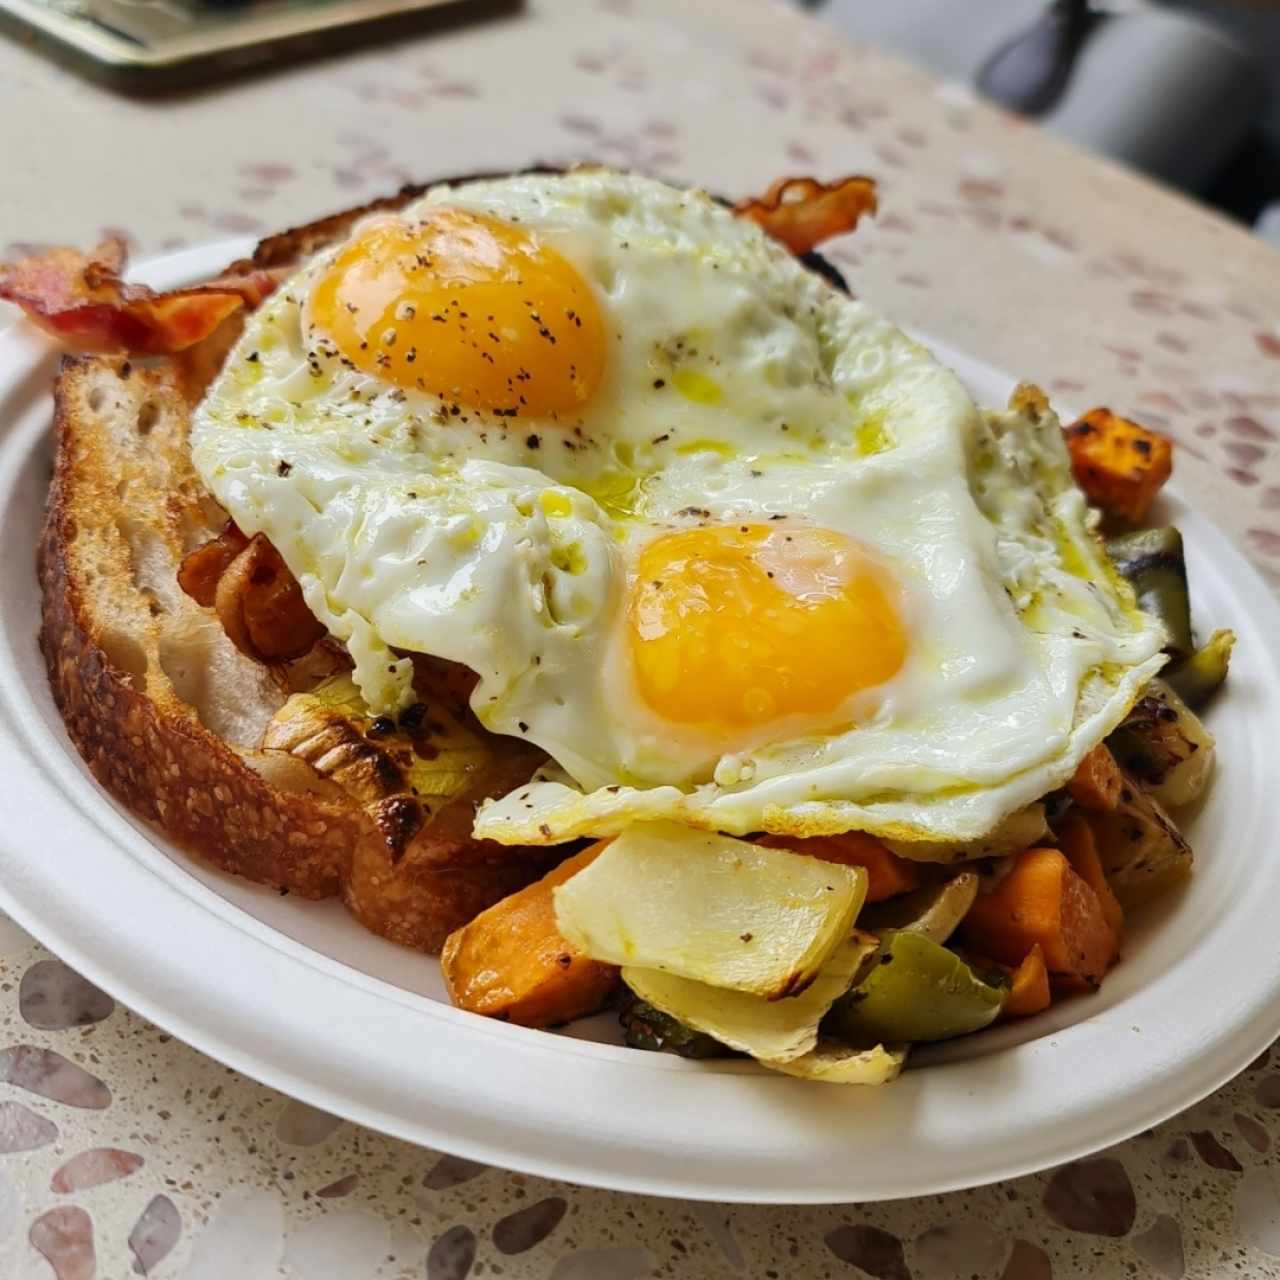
734 626
476 311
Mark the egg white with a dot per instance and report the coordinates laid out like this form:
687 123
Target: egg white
739 387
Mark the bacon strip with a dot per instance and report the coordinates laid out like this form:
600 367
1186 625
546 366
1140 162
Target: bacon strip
802 212
81 300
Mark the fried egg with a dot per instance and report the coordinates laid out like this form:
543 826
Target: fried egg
728 546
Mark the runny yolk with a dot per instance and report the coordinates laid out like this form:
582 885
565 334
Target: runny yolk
465 307
732 627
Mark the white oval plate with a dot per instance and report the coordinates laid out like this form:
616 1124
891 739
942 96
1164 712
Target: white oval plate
298 996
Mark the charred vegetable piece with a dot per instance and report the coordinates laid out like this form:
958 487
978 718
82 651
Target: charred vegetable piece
835 1063
1119 465
769 1030
1198 677
1152 562
420 776
1142 851
918 991
934 911
1165 746
1042 900
645 1027
511 962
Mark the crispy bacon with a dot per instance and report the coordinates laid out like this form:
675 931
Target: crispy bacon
803 212
81 300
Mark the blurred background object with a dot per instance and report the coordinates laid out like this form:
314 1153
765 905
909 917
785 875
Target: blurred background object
1186 91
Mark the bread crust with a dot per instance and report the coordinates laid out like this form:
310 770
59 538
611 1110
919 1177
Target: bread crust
122 476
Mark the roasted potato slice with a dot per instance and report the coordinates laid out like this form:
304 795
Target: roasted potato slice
1141 849
1165 747
711 909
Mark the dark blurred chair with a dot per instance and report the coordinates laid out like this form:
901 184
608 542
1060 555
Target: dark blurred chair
1165 92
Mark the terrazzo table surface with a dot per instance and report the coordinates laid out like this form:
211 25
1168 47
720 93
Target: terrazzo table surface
122 1152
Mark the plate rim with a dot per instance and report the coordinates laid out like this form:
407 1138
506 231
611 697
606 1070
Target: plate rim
62 922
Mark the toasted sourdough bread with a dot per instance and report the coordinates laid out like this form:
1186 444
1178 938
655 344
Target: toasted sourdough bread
168 714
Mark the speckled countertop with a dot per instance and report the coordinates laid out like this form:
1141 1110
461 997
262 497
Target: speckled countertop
122 1152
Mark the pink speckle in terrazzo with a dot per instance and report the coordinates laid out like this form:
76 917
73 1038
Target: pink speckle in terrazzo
342 1187
1252 1132
452 1171
877 1252
269 175
1243 453
1027 1261
455 89
1249 428
22 1130
64 1237
604 1264
1161 1247
522 1230
49 1074
301 1125
980 189
957 1251
1152 302
1268 542
154 1235
1242 477
52 997
451 1254
94 1167
1268 344
236 222
1093 1196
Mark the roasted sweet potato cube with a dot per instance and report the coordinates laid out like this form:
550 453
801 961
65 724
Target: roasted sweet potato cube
511 961
887 874
1119 464
1028 987
1043 901
1097 781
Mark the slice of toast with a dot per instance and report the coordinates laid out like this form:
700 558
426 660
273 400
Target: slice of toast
169 715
